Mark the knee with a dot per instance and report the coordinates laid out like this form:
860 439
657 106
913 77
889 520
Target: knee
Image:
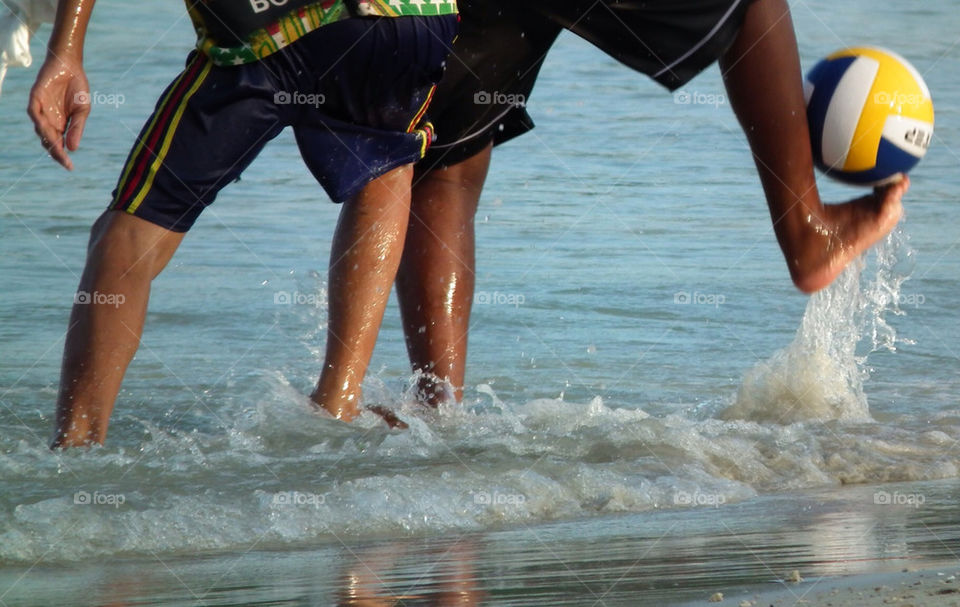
131 244
99 229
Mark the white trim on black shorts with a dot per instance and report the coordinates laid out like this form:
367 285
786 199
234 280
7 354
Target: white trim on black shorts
699 45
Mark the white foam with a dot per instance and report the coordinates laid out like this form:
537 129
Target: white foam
283 476
819 376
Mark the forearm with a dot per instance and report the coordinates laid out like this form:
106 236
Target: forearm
70 29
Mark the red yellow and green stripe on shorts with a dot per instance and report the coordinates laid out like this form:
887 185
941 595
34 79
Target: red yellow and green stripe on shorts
148 155
300 22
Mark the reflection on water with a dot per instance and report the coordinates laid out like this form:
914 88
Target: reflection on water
659 558
442 575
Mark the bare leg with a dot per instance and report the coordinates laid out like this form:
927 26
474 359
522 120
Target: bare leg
363 264
765 85
125 255
436 279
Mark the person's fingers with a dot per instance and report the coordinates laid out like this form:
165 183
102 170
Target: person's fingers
61 156
51 135
44 129
52 141
33 109
78 120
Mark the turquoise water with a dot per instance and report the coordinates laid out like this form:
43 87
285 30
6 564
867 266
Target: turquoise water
590 391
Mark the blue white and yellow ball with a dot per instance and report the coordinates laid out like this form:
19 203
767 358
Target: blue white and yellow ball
870 115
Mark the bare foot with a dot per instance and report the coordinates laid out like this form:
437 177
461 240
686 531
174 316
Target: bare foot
345 411
843 233
389 416
432 391
348 413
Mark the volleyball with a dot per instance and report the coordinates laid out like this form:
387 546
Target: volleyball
870 115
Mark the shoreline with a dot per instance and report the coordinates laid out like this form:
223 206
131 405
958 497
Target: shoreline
851 548
923 587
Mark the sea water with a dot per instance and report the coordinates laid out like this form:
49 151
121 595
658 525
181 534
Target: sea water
636 343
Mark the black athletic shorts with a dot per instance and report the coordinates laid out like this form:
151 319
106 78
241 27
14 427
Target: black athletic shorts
355 92
502 45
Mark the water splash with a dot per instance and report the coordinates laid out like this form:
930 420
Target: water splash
283 476
820 376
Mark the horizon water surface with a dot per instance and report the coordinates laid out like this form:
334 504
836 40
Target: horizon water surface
637 345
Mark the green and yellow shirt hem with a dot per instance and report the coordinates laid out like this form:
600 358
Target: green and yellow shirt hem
301 21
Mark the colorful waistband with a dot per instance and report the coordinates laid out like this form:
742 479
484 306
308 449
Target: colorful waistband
301 21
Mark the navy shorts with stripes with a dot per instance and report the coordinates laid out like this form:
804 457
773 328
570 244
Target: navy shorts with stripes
355 92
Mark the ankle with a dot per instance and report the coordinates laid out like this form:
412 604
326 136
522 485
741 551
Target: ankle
343 406
810 252
434 391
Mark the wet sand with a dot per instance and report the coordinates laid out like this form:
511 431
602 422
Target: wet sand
935 587
850 546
